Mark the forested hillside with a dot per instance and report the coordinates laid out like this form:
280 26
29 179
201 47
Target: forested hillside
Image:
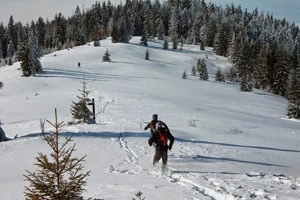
263 49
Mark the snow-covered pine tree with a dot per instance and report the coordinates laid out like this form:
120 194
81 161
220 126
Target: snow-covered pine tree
173 27
10 52
106 56
262 69
58 36
147 28
40 32
12 32
160 29
34 54
144 40
59 175
219 76
76 29
222 40
79 109
147 55
184 75
23 57
210 31
280 84
194 71
202 70
293 110
244 66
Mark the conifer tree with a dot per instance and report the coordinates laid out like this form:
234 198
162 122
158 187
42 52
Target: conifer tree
23 57
106 56
245 86
160 29
59 175
10 52
59 31
194 70
184 75
41 32
280 84
79 109
243 67
262 69
147 55
222 41
144 40
219 76
77 28
293 110
1 85
202 70
173 29
12 32
34 55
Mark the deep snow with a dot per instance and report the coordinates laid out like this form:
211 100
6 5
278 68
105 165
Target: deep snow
228 144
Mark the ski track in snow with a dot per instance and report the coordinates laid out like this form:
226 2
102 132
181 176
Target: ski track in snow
199 192
212 186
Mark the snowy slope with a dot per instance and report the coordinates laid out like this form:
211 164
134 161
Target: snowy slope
228 144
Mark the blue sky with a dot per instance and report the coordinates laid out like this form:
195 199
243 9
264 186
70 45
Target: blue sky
25 11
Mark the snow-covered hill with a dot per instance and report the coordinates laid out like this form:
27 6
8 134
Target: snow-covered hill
228 144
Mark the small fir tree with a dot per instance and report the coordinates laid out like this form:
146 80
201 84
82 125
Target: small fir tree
1 85
139 196
144 40
194 71
220 76
106 57
202 70
147 55
184 75
59 175
245 85
79 109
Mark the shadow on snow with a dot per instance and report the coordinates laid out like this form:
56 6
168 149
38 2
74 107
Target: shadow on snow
238 145
193 158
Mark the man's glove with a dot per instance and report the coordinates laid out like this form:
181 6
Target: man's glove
170 147
150 142
145 128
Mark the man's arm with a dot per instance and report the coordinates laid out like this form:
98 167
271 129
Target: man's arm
171 138
146 127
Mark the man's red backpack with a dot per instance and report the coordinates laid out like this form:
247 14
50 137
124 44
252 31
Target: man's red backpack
163 137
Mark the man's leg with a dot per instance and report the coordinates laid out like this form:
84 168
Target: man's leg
164 155
157 156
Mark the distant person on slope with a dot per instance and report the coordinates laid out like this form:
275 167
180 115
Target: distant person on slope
152 124
160 137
